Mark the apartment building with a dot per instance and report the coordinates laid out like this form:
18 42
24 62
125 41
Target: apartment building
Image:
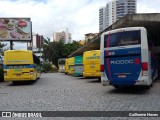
114 10
36 45
65 36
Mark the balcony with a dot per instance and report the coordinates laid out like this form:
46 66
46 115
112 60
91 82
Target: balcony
131 12
131 2
131 6
120 11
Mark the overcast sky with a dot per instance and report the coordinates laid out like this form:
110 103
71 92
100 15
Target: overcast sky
79 16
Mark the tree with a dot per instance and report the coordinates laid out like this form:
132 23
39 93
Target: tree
2 45
1 68
46 48
55 50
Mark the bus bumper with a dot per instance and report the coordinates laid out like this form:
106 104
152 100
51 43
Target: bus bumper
144 80
91 74
78 74
26 78
104 82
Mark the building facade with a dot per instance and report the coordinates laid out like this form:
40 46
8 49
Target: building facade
36 45
114 10
90 36
65 36
102 23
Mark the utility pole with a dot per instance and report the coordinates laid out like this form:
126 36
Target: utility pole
11 45
40 48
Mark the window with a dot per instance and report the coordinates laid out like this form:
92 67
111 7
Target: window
123 38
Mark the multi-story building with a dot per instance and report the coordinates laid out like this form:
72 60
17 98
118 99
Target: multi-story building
90 36
36 45
102 22
114 10
65 36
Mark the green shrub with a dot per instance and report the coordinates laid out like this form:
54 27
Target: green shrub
46 67
54 69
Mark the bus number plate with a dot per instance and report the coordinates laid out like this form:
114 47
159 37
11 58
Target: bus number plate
122 76
18 74
92 66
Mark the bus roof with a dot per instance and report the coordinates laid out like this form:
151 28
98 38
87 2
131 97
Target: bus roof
8 51
124 29
71 61
92 51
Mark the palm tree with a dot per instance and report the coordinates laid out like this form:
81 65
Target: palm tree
46 48
1 47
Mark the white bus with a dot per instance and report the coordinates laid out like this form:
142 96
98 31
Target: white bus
127 58
61 65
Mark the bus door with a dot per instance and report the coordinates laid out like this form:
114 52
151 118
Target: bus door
122 57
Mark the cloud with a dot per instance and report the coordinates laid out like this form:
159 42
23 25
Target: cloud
148 6
79 16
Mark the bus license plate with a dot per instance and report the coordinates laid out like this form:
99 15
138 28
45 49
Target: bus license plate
92 66
18 74
122 76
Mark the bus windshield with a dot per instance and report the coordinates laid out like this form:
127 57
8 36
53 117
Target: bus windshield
61 61
122 39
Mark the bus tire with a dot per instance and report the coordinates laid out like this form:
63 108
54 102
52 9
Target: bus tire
148 87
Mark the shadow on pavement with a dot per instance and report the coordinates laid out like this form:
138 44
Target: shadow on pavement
90 79
94 81
129 90
21 83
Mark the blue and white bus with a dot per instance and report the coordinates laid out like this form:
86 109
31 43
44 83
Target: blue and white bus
127 58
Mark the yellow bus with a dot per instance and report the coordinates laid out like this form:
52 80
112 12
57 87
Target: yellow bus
71 66
66 66
21 65
91 62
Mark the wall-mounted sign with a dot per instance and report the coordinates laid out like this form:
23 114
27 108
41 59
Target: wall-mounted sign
16 29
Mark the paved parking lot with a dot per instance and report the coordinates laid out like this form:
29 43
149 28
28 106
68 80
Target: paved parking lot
60 92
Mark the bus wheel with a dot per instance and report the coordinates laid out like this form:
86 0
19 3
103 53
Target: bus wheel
148 87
